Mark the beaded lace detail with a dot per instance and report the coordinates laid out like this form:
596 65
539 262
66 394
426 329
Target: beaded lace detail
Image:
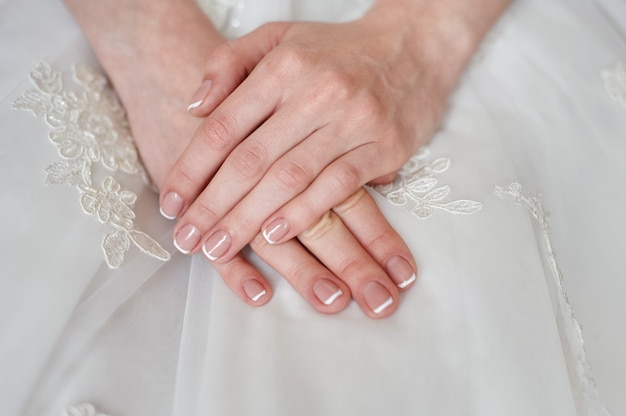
579 370
83 409
89 127
416 187
615 83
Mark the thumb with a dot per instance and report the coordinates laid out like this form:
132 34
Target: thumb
230 63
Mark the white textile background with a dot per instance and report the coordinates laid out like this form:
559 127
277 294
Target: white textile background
485 331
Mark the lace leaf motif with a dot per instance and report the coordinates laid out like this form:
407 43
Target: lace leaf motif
615 83
90 127
83 409
416 184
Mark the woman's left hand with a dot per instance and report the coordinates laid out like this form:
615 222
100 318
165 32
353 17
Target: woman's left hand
316 111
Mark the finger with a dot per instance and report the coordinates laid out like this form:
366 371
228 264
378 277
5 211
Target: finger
335 246
216 137
338 181
230 63
289 176
367 223
245 281
383 180
314 282
234 119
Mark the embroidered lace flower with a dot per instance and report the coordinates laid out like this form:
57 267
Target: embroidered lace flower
615 83
416 186
90 127
83 409
587 400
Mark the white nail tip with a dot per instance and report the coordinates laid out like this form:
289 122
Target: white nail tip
332 297
407 282
169 217
206 253
194 105
267 234
259 296
384 306
180 249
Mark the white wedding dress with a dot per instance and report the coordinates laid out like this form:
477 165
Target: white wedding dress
518 199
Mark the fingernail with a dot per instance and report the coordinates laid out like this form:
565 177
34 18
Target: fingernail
377 297
216 245
276 230
400 271
200 95
254 290
187 238
326 291
172 205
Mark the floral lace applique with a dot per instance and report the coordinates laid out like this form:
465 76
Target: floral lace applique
83 409
416 186
588 402
615 83
90 126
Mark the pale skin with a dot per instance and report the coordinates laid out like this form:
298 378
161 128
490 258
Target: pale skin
301 115
336 106
154 53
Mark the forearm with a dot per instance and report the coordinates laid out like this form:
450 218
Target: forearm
154 53
445 32
126 33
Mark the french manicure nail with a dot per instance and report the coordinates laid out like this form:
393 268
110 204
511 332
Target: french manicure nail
400 271
254 290
377 297
172 205
187 238
326 291
276 230
200 95
216 245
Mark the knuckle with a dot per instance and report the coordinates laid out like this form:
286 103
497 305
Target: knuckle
259 243
371 106
347 178
337 85
250 161
292 176
218 132
203 213
383 240
292 59
351 266
224 52
320 227
284 64
352 203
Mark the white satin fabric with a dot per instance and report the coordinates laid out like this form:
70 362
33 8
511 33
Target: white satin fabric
485 331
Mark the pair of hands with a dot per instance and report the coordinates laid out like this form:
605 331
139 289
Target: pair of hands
298 117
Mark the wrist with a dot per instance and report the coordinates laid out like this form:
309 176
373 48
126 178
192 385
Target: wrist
443 34
129 35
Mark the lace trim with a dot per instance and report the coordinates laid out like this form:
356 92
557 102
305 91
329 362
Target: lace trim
615 83
581 375
88 127
416 187
83 409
